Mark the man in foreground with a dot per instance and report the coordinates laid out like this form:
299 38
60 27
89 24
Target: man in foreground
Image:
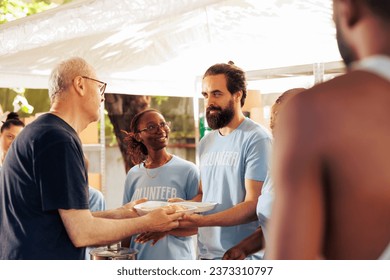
332 152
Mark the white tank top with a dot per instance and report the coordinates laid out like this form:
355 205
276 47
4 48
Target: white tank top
378 64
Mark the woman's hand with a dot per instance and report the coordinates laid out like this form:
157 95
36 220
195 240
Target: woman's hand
147 236
234 253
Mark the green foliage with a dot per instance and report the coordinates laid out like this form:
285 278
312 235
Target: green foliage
179 111
14 9
109 131
158 100
38 98
11 10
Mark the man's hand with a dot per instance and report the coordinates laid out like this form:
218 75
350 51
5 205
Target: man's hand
163 219
131 204
192 220
129 211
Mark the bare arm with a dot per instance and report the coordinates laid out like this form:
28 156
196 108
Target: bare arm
196 198
156 236
297 221
248 246
241 213
124 212
85 230
183 231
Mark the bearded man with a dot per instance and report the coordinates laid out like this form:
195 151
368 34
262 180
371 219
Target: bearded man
233 164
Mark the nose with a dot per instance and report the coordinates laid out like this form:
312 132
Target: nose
160 129
208 102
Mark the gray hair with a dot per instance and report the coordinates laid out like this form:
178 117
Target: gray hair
63 74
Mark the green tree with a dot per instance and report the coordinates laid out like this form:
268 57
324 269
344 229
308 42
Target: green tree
14 9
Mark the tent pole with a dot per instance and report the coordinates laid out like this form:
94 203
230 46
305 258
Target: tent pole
102 149
195 104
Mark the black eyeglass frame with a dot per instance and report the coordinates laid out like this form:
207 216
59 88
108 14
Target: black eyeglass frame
103 87
152 128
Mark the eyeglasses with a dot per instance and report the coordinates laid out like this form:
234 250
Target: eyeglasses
102 87
153 128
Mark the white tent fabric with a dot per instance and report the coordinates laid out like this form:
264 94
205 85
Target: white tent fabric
160 47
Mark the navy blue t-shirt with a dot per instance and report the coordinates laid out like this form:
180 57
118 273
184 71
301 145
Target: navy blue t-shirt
44 171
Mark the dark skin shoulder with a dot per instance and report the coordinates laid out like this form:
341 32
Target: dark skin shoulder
330 168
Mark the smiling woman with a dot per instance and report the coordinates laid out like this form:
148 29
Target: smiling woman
148 139
159 176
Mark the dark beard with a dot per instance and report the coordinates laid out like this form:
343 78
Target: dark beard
220 119
345 51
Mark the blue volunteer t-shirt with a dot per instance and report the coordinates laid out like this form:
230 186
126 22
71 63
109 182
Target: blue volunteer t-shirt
177 178
225 163
264 204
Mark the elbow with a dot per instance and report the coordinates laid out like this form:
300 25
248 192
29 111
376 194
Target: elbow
78 241
79 244
78 238
252 217
251 214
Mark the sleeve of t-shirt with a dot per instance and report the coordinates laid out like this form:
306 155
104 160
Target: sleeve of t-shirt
61 177
192 182
96 200
127 193
257 159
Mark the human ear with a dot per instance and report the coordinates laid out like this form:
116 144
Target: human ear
78 84
238 96
350 11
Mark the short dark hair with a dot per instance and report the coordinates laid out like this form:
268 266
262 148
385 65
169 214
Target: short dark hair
379 7
235 77
12 119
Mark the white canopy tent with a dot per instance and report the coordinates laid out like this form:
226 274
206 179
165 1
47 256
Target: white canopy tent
160 47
